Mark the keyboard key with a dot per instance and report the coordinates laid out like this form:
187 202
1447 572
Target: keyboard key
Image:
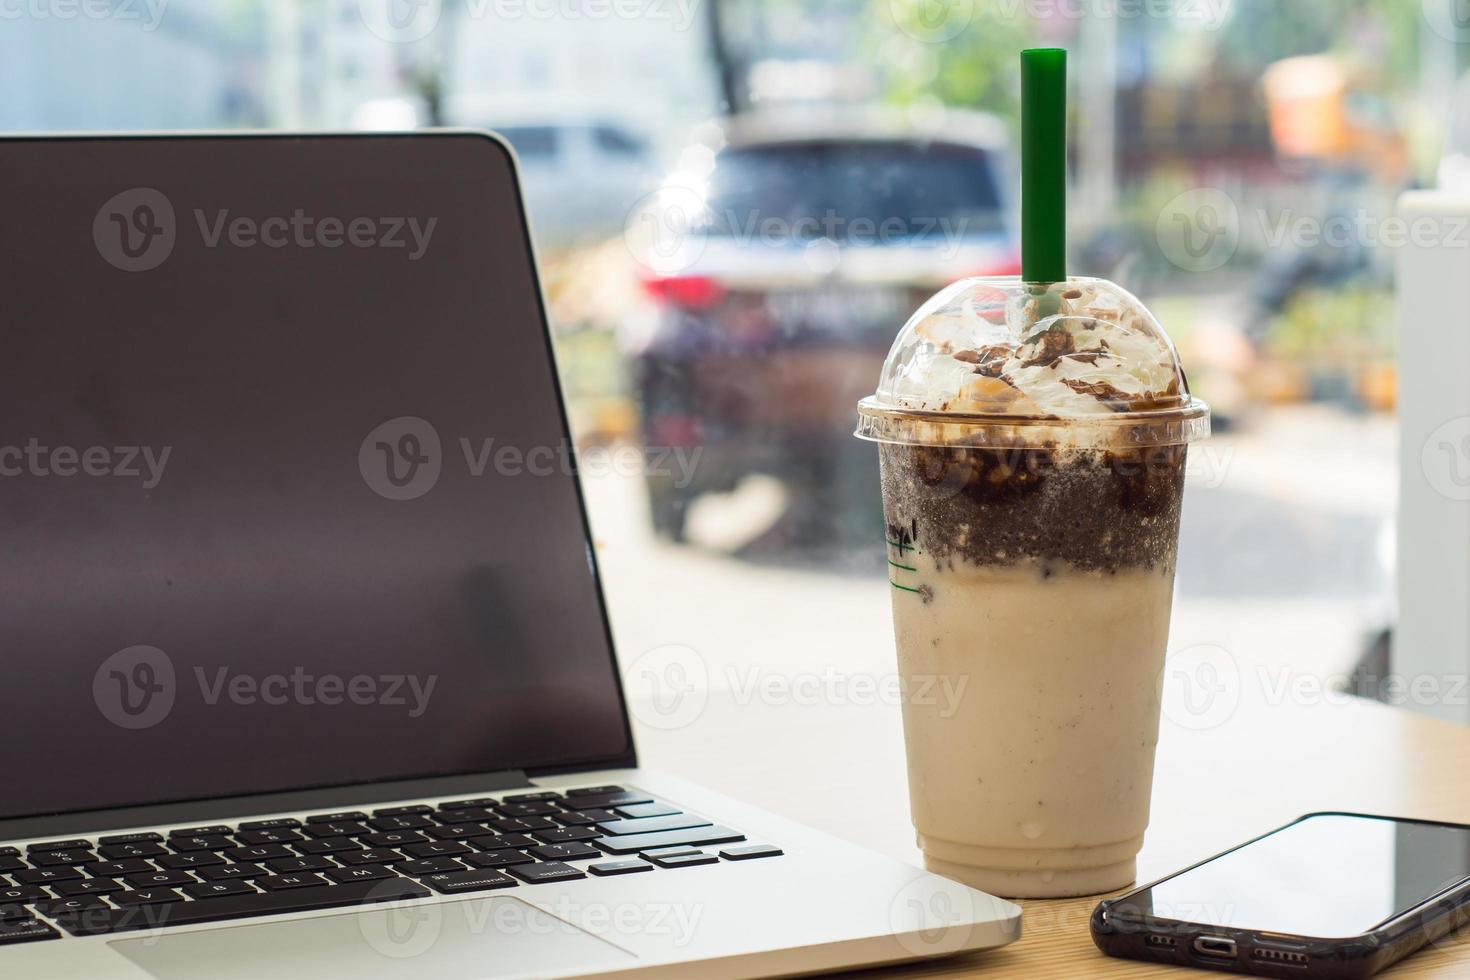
198 859
750 851
571 818
45 876
400 823
291 865
52 859
638 811
479 801
328 845
271 836
685 860
394 838
116 869
398 811
435 848
346 816
278 883
595 791
243 906
140 849
146 896
280 823
635 843
337 828
219 889
521 825
8 851
525 809
371 855
539 797
25 931
160 879
142 837
501 842
496 859
618 868
659 852
598 802
542 872
430 866
75 844
16 894
364 872
232 872
250 855
87 886
212 830
478 880
458 831
564 835
653 825
565 852
8 864
473 814
203 842
52 908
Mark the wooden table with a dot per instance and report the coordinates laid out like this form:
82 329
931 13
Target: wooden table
838 765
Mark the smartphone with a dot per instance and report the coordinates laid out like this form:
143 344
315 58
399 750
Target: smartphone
1329 895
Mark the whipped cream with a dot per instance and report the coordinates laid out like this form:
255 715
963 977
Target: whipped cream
1086 348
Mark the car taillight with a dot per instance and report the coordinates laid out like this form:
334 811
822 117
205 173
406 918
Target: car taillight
686 292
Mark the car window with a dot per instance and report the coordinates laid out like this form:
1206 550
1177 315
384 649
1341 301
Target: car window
824 188
532 142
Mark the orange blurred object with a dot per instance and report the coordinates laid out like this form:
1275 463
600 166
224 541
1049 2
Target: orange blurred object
1378 386
1320 110
1307 101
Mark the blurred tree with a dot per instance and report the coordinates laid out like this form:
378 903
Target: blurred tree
1384 33
960 54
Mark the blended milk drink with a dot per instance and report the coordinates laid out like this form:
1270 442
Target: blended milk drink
1032 443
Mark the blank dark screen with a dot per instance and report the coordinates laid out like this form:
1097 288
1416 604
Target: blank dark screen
1329 876
302 610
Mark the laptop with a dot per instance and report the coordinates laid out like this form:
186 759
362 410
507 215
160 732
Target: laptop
307 670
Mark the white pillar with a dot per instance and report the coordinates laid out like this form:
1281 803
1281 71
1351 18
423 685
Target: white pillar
1432 638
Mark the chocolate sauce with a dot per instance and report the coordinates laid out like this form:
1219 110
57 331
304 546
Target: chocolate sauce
1092 509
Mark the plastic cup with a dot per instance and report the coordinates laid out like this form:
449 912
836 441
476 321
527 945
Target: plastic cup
1032 441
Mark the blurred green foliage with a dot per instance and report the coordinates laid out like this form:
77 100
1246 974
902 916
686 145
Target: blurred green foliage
1381 34
1335 327
974 69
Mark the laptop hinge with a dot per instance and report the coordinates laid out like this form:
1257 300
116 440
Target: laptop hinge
227 808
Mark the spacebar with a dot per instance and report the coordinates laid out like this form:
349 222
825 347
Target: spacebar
100 921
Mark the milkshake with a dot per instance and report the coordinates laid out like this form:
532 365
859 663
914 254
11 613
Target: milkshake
1032 446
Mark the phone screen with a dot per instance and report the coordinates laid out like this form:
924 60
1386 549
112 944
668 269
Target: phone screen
1330 876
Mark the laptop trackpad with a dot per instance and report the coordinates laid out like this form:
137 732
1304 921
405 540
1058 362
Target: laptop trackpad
487 937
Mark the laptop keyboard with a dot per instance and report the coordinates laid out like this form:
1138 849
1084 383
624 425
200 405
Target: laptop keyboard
215 873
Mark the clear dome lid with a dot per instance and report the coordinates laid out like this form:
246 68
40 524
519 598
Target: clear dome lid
999 361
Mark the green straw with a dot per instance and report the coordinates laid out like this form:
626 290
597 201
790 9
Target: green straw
1044 165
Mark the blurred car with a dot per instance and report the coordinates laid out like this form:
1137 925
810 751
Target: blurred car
582 170
816 242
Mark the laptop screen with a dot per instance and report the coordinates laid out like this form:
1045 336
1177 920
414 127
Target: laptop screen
286 498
